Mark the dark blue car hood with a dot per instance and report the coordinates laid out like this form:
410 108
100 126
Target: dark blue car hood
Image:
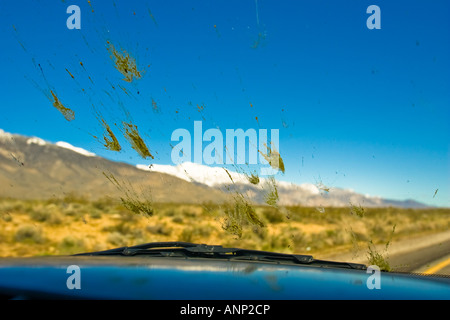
200 278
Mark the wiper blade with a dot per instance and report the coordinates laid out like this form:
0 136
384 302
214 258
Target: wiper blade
194 250
129 251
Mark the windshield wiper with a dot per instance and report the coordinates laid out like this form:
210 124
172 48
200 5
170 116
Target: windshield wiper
194 250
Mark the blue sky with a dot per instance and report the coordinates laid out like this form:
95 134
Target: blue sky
356 108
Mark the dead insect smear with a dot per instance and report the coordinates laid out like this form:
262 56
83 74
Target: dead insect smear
261 37
238 214
132 135
70 74
434 195
90 5
111 143
271 197
377 258
155 106
274 159
253 178
17 159
66 112
125 64
151 16
321 186
380 259
357 210
229 175
130 200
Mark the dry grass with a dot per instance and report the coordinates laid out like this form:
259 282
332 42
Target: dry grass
74 225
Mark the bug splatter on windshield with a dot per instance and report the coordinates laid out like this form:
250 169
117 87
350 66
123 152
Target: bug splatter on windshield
68 114
124 63
137 143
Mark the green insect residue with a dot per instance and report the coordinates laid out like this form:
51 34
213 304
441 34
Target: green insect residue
377 258
111 142
357 210
130 199
124 63
229 175
271 197
239 214
66 112
137 206
137 143
253 178
380 259
274 159
322 187
248 211
232 222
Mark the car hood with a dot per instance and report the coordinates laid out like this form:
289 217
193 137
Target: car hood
201 278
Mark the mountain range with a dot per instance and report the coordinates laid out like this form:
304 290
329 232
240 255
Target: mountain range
32 168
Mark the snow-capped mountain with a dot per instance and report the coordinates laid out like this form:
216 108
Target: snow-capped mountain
306 194
193 172
82 151
9 137
33 168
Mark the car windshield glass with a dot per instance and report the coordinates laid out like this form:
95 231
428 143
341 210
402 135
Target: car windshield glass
296 127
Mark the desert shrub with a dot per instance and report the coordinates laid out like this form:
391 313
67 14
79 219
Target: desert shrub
260 232
177 219
298 240
14 206
159 229
124 228
169 212
71 245
117 239
188 213
7 217
29 233
103 204
299 214
121 228
72 197
71 212
209 208
318 241
338 237
196 233
48 215
273 215
278 243
127 216
95 214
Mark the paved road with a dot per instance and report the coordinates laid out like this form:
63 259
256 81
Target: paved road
441 266
433 259
422 254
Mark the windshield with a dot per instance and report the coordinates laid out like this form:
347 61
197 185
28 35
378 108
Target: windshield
296 127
